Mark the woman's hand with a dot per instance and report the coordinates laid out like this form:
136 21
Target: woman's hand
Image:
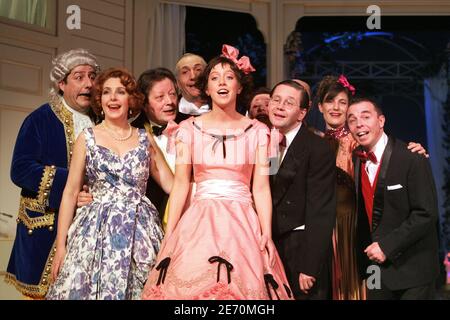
267 243
417 147
58 259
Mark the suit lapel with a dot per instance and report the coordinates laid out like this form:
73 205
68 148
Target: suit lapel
378 201
288 169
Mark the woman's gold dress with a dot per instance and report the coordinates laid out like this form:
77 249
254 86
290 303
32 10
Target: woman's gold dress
346 284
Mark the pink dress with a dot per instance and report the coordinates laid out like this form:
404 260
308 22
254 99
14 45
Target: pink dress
213 253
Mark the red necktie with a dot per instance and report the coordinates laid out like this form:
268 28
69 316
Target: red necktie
364 156
283 142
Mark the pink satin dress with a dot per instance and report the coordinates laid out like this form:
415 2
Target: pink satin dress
213 253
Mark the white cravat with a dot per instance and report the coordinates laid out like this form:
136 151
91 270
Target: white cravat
372 168
81 121
187 107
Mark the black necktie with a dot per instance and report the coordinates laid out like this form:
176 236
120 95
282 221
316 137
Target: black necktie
157 131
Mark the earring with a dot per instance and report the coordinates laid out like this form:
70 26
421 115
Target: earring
130 112
102 113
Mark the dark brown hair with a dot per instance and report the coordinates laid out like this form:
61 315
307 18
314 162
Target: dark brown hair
150 77
245 80
135 99
304 96
360 99
329 88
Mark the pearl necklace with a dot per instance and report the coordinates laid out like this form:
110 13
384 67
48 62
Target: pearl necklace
113 134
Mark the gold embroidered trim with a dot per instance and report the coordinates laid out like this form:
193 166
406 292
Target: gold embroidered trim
40 203
46 220
66 118
46 273
34 291
46 183
30 204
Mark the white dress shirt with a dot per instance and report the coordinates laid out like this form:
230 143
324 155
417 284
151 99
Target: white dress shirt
289 138
81 121
187 107
372 168
162 142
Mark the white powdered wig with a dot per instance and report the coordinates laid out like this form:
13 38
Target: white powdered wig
64 63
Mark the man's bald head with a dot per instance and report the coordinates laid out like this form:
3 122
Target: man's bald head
189 59
187 70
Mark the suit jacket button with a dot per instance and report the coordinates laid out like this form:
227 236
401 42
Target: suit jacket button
288 202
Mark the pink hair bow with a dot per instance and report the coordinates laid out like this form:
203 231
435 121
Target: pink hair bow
343 80
170 132
243 63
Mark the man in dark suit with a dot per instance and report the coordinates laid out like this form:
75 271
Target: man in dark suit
397 210
159 86
303 194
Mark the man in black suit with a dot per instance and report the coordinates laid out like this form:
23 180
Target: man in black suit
397 210
159 86
303 195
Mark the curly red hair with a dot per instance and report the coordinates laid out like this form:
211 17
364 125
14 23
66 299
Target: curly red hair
135 100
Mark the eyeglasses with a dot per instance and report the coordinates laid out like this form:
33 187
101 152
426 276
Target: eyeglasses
288 103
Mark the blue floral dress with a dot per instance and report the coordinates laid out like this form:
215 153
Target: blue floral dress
112 242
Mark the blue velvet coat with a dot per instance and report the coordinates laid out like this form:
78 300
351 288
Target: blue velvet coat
40 168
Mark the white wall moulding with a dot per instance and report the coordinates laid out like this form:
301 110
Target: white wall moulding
23 76
20 77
